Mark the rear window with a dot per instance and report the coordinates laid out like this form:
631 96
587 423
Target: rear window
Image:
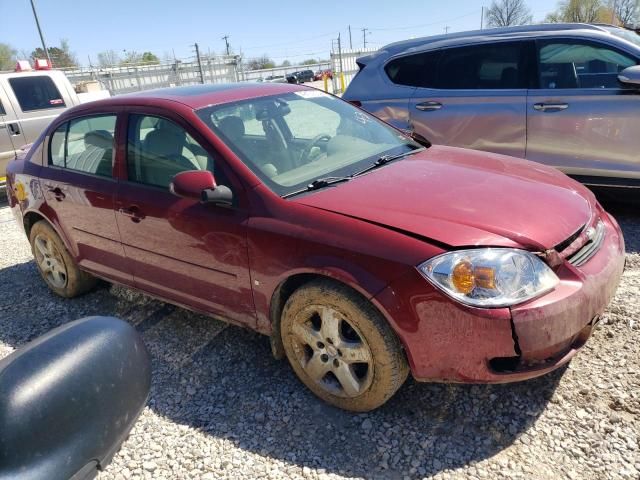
490 66
36 93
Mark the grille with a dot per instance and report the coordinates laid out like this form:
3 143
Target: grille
589 249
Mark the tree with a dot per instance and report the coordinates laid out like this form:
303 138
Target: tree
504 13
626 11
131 56
310 61
61 57
286 63
260 63
148 57
108 58
580 11
7 56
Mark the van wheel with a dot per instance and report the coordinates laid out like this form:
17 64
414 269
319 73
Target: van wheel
341 347
55 264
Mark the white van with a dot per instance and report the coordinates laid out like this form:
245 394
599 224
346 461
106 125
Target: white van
29 101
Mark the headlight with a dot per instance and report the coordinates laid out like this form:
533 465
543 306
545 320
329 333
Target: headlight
490 277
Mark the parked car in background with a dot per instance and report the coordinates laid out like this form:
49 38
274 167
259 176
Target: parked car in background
363 254
566 95
300 77
29 101
276 79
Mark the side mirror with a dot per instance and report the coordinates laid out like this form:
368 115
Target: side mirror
190 184
68 399
630 76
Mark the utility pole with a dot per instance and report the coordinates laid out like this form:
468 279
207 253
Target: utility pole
446 29
350 42
364 38
44 47
226 41
199 63
482 19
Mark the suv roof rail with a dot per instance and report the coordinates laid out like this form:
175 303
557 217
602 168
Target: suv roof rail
541 27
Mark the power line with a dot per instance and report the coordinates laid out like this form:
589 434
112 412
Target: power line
475 12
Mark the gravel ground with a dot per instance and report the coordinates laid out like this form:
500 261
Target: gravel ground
221 407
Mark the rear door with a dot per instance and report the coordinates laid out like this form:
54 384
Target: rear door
470 96
37 100
190 253
79 187
581 119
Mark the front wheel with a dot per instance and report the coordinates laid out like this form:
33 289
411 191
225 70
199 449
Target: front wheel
341 348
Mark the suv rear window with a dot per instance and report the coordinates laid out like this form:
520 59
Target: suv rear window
489 66
36 93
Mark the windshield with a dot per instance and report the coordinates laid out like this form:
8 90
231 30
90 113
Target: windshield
292 139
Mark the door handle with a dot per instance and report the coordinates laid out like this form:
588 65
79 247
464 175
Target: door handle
554 107
429 106
14 129
133 213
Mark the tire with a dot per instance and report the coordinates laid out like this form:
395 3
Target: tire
57 268
341 347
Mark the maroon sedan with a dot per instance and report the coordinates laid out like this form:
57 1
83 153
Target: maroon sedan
362 254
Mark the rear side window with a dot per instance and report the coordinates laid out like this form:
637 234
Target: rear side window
574 64
490 66
414 70
36 93
85 145
2 112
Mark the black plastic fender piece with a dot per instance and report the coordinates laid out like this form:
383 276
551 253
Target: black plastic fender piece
68 399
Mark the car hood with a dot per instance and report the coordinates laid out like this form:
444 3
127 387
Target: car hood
462 197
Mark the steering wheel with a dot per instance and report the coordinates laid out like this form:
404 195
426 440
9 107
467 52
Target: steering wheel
304 156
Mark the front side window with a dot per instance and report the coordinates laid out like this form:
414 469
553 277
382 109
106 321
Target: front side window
292 139
574 64
491 66
85 145
158 149
36 93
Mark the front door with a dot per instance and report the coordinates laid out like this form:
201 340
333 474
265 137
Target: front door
581 119
190 253
79 186
474 97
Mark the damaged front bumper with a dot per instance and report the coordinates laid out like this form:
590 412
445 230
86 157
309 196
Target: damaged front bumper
449 342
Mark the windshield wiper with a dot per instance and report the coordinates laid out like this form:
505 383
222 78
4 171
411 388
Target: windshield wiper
318 184
384 159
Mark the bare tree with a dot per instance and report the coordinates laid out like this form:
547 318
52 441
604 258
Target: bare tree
108 58
626 11
503 13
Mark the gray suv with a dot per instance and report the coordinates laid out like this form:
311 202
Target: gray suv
567 95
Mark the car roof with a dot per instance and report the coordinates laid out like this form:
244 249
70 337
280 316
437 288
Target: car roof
517 32
199 96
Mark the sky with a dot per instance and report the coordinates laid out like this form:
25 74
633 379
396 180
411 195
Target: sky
283 29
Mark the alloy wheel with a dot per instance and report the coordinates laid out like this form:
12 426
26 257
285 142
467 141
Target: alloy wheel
332 352
50 262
